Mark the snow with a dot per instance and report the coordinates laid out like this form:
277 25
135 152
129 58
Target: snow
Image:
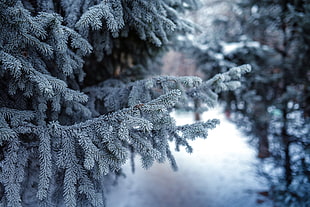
233 46
219 173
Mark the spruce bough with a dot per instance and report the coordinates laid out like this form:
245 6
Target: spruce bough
76 103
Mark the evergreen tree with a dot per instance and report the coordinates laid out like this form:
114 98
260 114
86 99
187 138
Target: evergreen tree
273 104
75 104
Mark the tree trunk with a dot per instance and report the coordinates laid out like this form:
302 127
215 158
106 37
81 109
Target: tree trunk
197 114
263 143
287 157
261 123
263 147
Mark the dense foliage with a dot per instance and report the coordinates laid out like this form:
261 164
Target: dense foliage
74 102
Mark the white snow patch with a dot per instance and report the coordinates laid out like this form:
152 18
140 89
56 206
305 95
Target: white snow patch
219 56
219 173
233 46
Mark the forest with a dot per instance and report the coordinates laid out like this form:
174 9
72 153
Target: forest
272 105
82 91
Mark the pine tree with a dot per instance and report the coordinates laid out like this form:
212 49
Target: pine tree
272 105
78 99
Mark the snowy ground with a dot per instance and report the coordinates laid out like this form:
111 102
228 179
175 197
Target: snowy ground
219 173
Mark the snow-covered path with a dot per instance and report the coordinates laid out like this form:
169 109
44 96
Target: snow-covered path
219 173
